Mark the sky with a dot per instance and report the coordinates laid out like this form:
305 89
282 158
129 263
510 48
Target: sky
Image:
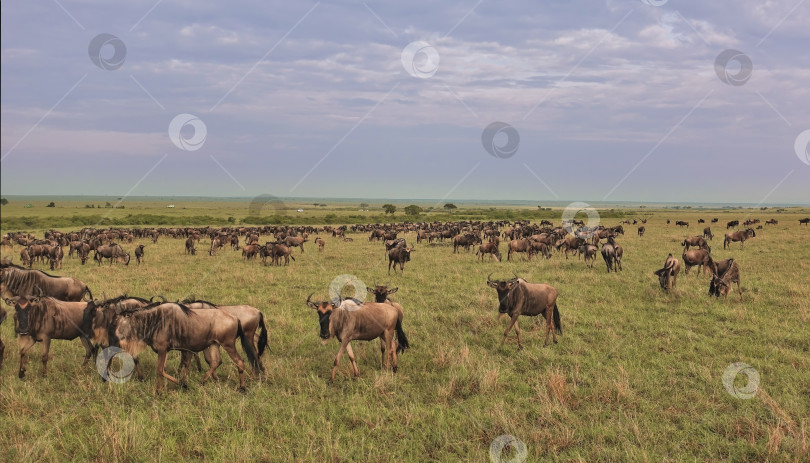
617 100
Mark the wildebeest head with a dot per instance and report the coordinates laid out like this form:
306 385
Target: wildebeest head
324 311
717 287
503 288
380 292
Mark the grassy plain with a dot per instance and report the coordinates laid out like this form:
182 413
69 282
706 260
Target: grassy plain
636 375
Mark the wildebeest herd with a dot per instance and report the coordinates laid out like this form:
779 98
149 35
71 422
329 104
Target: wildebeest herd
48 307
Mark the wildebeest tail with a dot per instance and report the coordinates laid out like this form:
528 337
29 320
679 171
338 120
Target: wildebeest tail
247 345
291 257
262 336
402 340
557 319
88 292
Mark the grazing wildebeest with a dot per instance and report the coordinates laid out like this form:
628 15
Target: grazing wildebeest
772 222
190 249
641 231
489 248
18 281
668 276
366 322
518 297
139 253
216 244
399 256
521 245
721 283
682 223
320 242
732 223
588 252
112 252
171 326
715 220
612 254
701 221
804 221
739 235
251 318
25 258
2 346
695 257
295 241
41 319
707 233
276 251
696 241
55 256
250 251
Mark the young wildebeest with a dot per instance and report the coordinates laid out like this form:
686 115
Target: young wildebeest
190 249
695 257
320 242
518 297
739 235
721 283
381 293
641 231
171 326
612 253
489 248
707 233
398 255
366 322
41 319
18 281
588 252
696 241
139 253
669 274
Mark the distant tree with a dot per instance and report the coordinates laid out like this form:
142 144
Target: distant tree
3 201
364 205
51 204
389 208
450 207
413 210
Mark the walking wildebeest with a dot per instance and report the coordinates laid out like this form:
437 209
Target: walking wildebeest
612 254
366 322
489 248
398 256
641 230
520 245
190 249
171 326
249 251
139 253
518 297
41 319
772 222
721 283
320 242
588 252
695 257
295 241
18 281
739 235
669 274
696 241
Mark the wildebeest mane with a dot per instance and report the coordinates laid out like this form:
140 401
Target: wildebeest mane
189 301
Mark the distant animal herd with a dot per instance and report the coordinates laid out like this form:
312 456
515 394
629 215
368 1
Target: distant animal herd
48 307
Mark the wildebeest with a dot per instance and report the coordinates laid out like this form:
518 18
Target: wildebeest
682 223
588 252
171 326
668 276
732 223
381 293
399 256
771 222
696 241
190 249
518 297
612 254
707 233
366 322
112 252
804 221
55 255
216 244
25 258
139 253
320 242
295 241
41 319
276 251
721 282
249 251
465 241
489 248
641 230
695 257
521 245
739 235
18 281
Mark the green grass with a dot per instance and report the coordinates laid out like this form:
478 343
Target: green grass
636 375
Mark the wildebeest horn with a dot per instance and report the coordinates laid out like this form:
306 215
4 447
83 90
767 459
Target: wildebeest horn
151 299
39 290
309 297
489 278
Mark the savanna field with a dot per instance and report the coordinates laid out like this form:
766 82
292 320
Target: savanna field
637 374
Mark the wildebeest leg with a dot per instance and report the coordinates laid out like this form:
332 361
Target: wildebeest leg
185 361
512 323
26 342
138 371
88 349
2 350
46 347
337 358
389 267
392 343
214 360
739 290
237 359
382 350
350 352
162 371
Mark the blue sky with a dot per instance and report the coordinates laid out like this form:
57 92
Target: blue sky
617 100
